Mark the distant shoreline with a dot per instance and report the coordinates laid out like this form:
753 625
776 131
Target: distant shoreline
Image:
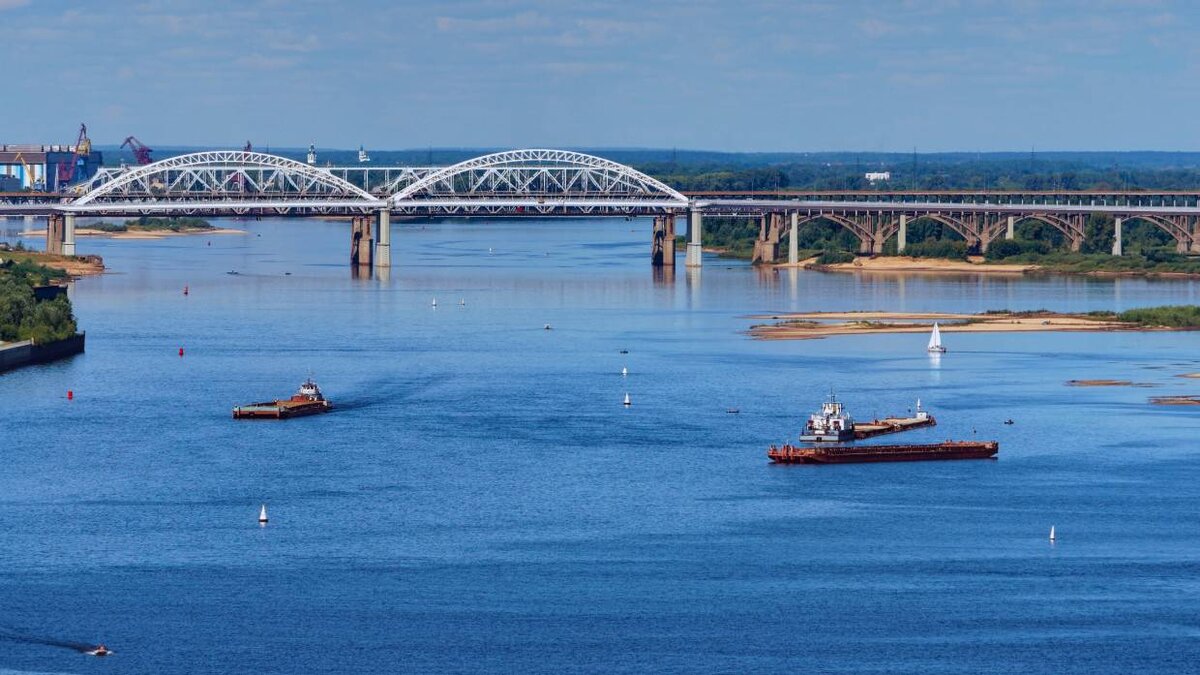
139 234
817 325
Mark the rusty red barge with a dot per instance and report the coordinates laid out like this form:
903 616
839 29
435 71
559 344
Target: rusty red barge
850 454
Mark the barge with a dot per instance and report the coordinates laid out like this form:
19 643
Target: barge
851 454
832 424
308 400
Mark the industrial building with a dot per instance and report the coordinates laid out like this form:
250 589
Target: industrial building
48 167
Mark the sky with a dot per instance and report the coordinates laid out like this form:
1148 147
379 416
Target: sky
733 75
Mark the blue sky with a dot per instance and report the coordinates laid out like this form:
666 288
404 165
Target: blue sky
697 74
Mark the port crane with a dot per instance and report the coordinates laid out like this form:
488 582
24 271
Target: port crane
141 153
83 147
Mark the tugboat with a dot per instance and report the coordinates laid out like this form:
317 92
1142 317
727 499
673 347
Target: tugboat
832 424
308 400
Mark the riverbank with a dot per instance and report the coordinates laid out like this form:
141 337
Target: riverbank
74 266
15 355
894 264
816 325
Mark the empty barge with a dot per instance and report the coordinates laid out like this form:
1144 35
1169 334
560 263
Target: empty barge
852 454
308 400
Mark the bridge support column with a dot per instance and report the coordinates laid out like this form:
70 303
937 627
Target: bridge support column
794 239
360 241
766 247
68 245
1116 247
54 233
695 235
902 234
876 233
1011 231
662 242
383 239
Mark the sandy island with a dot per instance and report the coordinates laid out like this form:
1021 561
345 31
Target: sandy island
138 234
815 325
972 265
76 266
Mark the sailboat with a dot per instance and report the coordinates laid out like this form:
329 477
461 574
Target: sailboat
1052 537
624 371
262 515
935 341
628 402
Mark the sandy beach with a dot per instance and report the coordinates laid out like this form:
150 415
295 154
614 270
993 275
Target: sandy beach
892 264
137 234
815 325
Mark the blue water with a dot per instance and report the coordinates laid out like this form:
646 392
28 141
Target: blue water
481 502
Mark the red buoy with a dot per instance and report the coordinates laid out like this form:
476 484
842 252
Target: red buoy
70 395
181 351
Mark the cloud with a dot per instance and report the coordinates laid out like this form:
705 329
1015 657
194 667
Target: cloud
522 21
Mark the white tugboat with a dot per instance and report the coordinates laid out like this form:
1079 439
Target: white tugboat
831 424
363 157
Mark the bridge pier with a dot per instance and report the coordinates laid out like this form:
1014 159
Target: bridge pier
54 233
794 239
902 234
1011 231
68 245
360 241
383 239
662 244
766 247
695 235
1116 247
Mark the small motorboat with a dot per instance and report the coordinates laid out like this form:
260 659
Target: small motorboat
733 411
547 327
623 351
100 650
1009 421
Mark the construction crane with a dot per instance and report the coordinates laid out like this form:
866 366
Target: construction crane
83 147
141 153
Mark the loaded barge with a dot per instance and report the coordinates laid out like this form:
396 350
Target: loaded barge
307 401
850 454
832 424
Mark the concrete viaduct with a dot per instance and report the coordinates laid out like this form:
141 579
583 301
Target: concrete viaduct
561 183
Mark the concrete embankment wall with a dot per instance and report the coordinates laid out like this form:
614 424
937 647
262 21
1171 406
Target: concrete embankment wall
26 353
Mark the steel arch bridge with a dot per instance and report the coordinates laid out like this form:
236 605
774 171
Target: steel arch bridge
537 182
224 182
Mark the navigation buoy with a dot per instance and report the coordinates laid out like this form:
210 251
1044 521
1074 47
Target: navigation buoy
181 351
627 401
185 290
262 515
70 395
1052 537
624 371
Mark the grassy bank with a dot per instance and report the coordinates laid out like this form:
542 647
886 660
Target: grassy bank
22 315
150 224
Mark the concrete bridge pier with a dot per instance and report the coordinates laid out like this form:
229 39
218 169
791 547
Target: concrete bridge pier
360 241
766 247
695 235
662 244
794 239
1011 230
54 233
902 234
1116 247
68 245
383 239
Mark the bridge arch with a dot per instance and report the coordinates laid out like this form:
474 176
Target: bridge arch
539 180
1071 228
226 180
1177 230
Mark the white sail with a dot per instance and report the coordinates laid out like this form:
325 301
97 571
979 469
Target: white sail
627 401
935 340
1051 533
262 514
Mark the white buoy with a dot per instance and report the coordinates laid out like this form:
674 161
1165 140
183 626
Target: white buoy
1052 537
624 371
262 515
627 401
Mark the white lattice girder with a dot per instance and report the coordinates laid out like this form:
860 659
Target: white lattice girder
220 176
533 172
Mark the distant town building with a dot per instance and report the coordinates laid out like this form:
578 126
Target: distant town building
873 176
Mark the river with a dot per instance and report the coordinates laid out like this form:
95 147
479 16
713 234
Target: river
480 500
